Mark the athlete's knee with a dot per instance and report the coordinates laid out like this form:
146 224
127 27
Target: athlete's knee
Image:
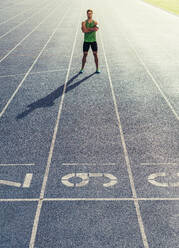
85 54
95 54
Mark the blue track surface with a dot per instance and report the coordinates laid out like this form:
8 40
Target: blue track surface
88 160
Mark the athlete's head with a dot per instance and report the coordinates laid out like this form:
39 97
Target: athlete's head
89 13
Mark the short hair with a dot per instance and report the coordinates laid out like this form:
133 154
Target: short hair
89 10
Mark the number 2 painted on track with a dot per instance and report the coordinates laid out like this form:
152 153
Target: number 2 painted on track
26 183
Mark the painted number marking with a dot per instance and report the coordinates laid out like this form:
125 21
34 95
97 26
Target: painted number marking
26 183
153 180
85 177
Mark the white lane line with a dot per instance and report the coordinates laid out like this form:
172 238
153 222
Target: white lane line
17 164
87 199
33 30
7 7
41 72
35 72
73 164
27 180
152 77
159 199
12 5
10 183
21 23
166 164
36 219
13 17
29 70
111 199
92 164
19 200
140 221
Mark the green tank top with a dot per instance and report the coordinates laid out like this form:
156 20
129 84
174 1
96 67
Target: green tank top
90 36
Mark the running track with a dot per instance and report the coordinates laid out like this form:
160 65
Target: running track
88 160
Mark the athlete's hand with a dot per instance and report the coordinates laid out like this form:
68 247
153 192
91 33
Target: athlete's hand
92 29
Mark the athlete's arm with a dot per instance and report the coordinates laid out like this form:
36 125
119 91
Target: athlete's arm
95 28
86 30
96 24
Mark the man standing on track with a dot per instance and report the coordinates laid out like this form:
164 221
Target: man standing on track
89 28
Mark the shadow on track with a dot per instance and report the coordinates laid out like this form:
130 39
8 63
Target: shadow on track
48 100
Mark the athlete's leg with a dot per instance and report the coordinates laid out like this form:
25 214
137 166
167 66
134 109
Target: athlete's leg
85 53
84 59
94 47
96 59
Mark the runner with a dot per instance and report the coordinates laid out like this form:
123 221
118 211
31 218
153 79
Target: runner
89 28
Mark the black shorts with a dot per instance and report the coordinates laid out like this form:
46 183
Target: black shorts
86 46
